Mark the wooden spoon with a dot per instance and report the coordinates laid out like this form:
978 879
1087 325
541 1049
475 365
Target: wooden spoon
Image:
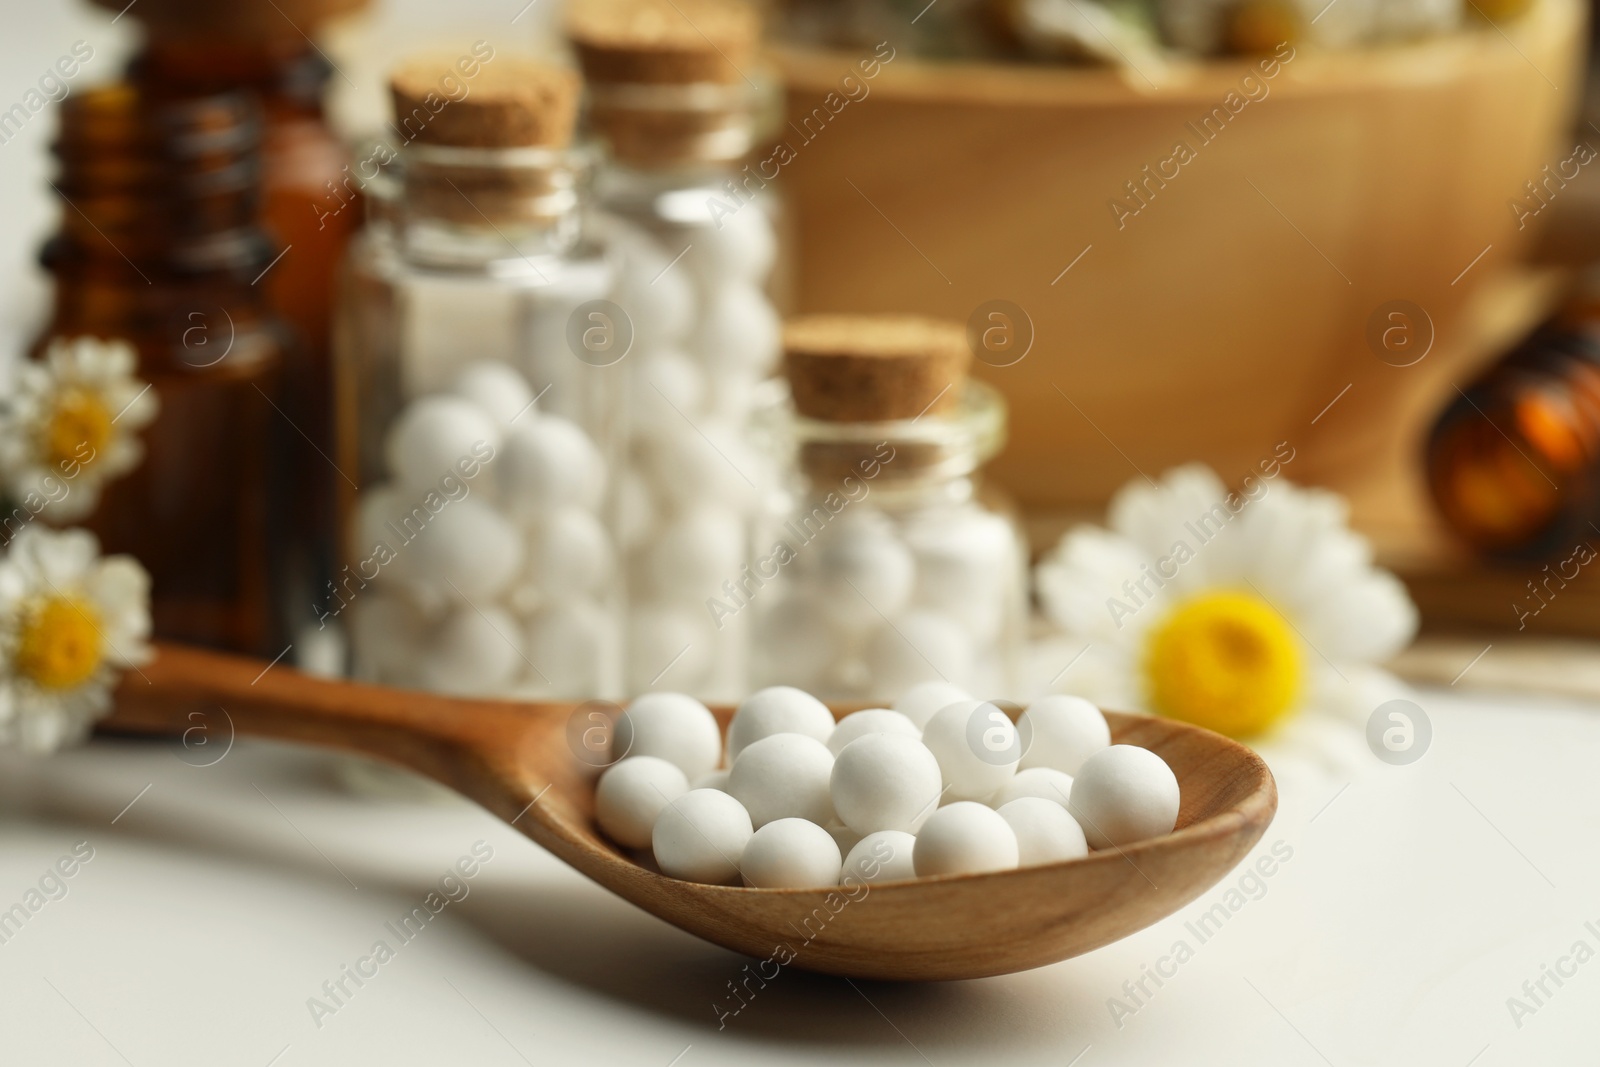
516 760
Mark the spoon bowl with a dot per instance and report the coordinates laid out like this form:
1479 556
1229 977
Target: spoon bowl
521 761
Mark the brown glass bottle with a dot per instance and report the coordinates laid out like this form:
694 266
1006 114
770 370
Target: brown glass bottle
159 246
305 185
310 203
1514 462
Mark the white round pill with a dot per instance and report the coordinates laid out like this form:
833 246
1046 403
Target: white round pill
778 709
783 776
717 779
695 553
701 836
669 644
635 509
667 393
919 646
1044 782
376 508
977 746
387 636
885 782
1045 832
658 297
471 652
708 461
568 646
673 727
923 700
496 388
884 856
1124 794
387 520
1061 732
547 462
433 434
790 854
731 395
966 562
794 641
738 330
872 721
570 554
964 838
864 573
631 794
740 246
467 550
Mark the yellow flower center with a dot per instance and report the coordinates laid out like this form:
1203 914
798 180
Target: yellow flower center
59 643
78 430
1226 661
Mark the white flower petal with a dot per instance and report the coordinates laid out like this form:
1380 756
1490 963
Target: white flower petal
1154 517
105 368
64 559
40 563
1081 583
121 455
1291 545
1368 620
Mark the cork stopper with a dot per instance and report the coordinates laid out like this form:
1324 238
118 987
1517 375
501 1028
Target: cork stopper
507 102
664 42
874 368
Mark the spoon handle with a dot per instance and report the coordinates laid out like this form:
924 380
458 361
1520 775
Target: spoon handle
185 687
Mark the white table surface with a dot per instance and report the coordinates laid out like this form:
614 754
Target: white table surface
1414 905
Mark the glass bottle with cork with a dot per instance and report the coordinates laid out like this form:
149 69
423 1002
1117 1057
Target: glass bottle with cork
891 561
478 427
155 257
672 92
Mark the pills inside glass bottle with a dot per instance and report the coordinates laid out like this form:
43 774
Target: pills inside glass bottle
885 561
483 561
696 240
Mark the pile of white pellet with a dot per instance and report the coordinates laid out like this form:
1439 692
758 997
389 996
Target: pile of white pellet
940 784
485 549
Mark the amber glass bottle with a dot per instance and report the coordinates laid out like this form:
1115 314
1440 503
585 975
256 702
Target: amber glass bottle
159 247
309 205
304 180
1514 461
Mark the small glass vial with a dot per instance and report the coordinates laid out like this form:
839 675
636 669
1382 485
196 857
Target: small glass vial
890 562
162 364
1514 462
668 94
477 438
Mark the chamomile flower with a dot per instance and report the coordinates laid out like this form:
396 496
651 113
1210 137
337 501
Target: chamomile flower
70 623
74 417
1228 610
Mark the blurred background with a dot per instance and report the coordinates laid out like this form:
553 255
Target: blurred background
1351 242
1211 316
1131 265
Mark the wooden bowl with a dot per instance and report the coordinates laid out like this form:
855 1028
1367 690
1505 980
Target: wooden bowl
1234 307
